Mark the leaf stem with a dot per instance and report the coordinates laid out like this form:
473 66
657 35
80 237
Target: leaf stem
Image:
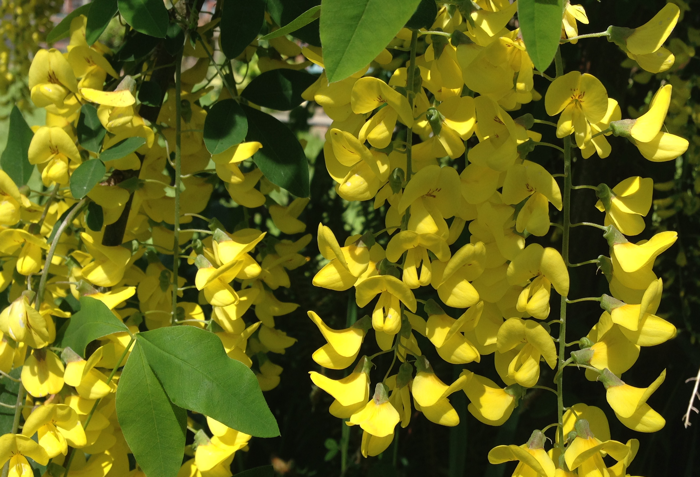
586 298
590 224
178 179
587 35
548 123
584 186
553 146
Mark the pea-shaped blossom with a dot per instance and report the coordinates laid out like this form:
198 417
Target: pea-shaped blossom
51 78
581 99
490 403
630 403
342 346
532 459
350 393
521 344
58 427
386 317
346 263
626 203
377 418
56 153
431 395
15 448
586 452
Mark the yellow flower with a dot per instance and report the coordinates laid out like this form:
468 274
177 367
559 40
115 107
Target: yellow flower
490 403
643 44
108 264
378 417
572 14
42 373
350 393
88 381
630 403
537 261
368 94
343 345
635 257
645 131
286 218
586 451
24 324
226 162
417 246
452 279
16 448
51 78
346 263
533 459
446 334
598 143
626 204
58 427
521 343
28 249
433 195
582 100
534 181
220 449
431 395
386 316
610 349
11 201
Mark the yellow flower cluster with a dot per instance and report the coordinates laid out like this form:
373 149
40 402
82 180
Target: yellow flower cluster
235 272
472 74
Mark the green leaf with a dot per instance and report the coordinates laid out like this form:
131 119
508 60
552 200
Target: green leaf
8 395
284 12
301 21
279 89
225 126
122 149
540 24
94 217
281 158
15 158
153 427
240 24
146 16
62 30
264 471
93 321
98 18
86 176
150 94
424 16
90 130
194 370
354 32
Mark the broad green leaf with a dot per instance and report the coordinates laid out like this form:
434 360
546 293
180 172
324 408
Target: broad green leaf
540 24
153 427
279 89
62 30
94 218
122 149
195 372
301 21
240 24
86 176
225 126
8 395
15 158
98 18
146 16
264 471
281 158
90 130
93 321
424 16
150 94
354 32
284 12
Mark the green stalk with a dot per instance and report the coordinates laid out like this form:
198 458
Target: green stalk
566 207
178 179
